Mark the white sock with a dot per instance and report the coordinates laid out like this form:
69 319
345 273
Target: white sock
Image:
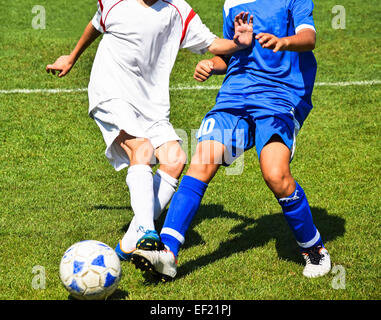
131 237
140 183
164 186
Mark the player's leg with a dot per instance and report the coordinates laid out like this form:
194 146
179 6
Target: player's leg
172 161
275 166
207 160
217 137
140 183
208 157
184 205
186 201
120 124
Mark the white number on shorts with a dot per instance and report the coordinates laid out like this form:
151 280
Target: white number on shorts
206 127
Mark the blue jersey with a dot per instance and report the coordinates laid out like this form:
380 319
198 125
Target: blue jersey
258 74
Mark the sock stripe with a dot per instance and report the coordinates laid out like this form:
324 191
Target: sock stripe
173 233
310 243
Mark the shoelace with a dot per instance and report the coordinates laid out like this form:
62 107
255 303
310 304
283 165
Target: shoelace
313 255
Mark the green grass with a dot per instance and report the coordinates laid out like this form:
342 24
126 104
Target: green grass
57 187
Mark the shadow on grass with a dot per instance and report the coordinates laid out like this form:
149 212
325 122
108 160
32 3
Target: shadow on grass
252 233
117 295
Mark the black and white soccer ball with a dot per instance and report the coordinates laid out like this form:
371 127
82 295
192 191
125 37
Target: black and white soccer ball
90 270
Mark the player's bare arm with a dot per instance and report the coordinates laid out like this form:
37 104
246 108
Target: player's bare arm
65 63
303 41
206 68
243 37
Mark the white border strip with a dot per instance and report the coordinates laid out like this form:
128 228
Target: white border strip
184 88
172 232
310 243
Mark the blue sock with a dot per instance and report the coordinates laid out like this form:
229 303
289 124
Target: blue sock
298 215
184 205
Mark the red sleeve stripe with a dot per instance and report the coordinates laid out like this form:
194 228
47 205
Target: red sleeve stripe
101 22
100 5
111 9
182 21
185 25
191 15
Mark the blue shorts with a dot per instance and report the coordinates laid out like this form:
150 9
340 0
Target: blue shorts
239 129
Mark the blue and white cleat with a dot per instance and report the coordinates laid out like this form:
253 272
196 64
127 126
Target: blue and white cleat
150 241
318 262
161 264
123 255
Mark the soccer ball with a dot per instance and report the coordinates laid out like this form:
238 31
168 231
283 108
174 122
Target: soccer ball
90 270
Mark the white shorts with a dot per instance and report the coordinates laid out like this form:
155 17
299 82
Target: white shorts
115 115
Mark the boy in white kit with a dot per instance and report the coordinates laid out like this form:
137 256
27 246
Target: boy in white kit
129 96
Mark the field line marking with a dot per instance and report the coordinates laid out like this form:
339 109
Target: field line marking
347 84
28 91
184 88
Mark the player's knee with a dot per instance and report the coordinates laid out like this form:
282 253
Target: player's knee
202 172
279 181
206 160
202 169
174 163
181 157
142 154
209 153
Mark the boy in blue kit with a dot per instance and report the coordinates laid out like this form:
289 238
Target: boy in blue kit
263 102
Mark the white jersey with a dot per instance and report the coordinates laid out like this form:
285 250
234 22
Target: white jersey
138 50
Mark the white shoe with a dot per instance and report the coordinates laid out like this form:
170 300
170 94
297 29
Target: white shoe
318 262
161 263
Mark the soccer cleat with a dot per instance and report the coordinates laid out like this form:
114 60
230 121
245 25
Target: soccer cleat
150 241
318 262
161 263
123 255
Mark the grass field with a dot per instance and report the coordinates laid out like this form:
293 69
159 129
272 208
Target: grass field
57 187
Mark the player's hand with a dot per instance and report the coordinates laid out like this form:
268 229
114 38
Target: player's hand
243 27
62 65
269 41
204 70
